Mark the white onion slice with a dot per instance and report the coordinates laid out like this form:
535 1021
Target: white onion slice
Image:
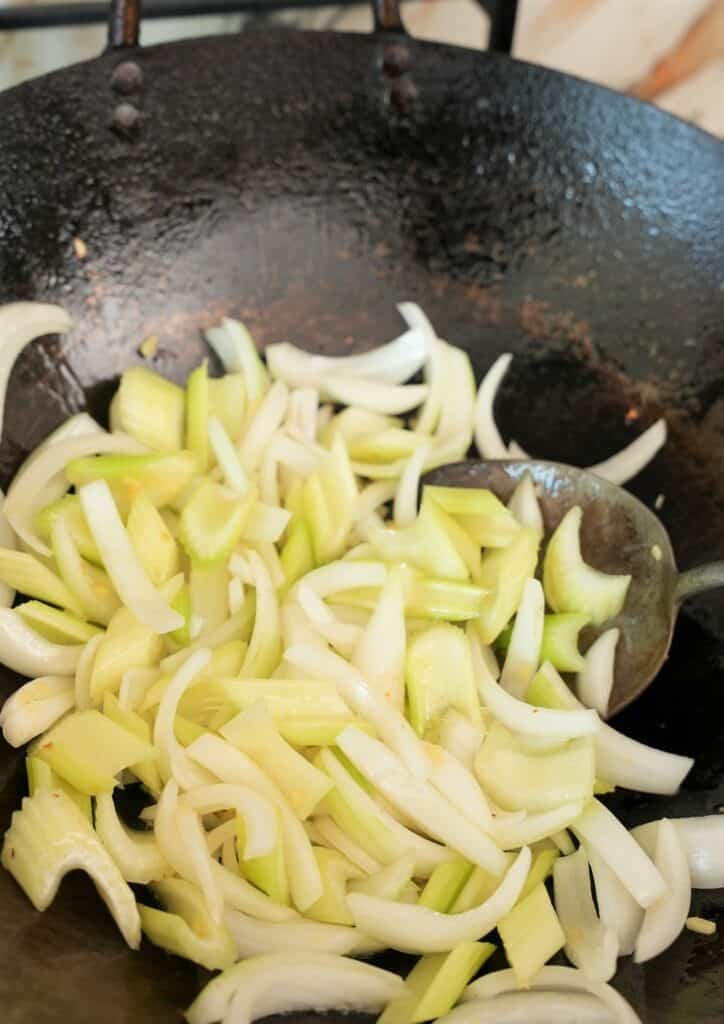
255 938
524 650
136 853
301 458
617 908
301 418
380 652
523 503
487 437
343 575
7 540
405 507
392 363
331 835
260 820
34 707
529 1007
460 737
518 829
703 839
227 456
174 761
372 497
590 945
595 680
416 929
20 323
341 635
458 785
30 654
627 463
264 425
84 671
436 378
664 920
238 894
552 979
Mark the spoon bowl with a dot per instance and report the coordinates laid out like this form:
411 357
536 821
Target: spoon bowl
619 534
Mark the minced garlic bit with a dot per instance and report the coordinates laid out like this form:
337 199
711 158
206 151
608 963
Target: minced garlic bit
149 347
660 499
700 925
81 249
656 552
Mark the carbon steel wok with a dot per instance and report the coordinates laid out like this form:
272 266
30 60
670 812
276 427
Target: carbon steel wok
306 182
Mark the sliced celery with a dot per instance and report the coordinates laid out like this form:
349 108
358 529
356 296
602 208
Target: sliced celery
265 642
541 868
319 731
328 501
425 598
164 478
150 408
503 573
479 887
60 627
88 750
197 415
297 553
41 776
212 521
560 641
70 508
92 586
429 544
152 540
548 690
531 934
573 586
287 698
386 445
209 594
519 778
127 644
27 574
439 675
268 873
186 731
186 927
335 871
182 604
479 512
146 772
227 401
436 982
445 885
49 837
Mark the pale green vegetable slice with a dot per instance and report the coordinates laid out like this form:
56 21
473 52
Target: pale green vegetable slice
435 984
286 698
146 772
227 401
540 869
48 838
335 871
235 348
127 644
479 886
432 544
329 503
152 540
445 885
571 585
481 514
90 585
69 508
212 521
136 853
26 651
503 574
269 872
27 574
531 934
60 627
388 882
197 415
297 553
185 927
255 938
41 776
227 456
560 641
164 478
150 408
439 676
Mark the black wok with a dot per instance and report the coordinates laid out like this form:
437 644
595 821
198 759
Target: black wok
307 182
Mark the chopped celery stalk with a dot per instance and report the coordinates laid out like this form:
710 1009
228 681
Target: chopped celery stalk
186 927
335 871
227 401
435 983
297 553
268 873
41 776
197 415
60 627
27 574
519 778
329 501
88 750
266 524
254 733
164 478
438 676
483 516
479 887
152 540
127 644
425 598
531 934
524 651
186 731
541 868
209 593
548 690
319 731
48 838
69 508
560 641
212 521
503 573
445 885
386 445
150 408
227 456
286 698
429 544
389 882
182 604
265 645
235 348
573 586
91 585
135 852
146 772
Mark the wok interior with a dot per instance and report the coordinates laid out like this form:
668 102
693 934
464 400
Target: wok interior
275 178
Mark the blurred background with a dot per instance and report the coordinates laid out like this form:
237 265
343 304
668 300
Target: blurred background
668 51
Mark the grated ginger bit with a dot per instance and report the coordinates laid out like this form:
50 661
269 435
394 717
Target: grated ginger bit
701 925
149 347
656 552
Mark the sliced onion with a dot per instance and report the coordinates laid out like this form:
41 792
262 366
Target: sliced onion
392 363
436 375
34 707
340 635
174 761
26 494
457 414
595 680
487 437
627 463
264 425
301 418
7 540
524 650
459 786
405 508
552 979
625 762
381 650
255 938
216 838
238 894
334 837
460 737
389 399
84 671
617 908
528 1007
136 853
30 654
299 457
262 654
703 839
372 497
518 829
590 945
523 502
664 920
416 929
260 819
343 575
227 456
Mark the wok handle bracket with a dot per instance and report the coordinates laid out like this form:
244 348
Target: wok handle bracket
124 22
502 14
387 16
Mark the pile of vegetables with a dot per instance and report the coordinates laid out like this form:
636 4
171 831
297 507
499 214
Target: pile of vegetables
359 723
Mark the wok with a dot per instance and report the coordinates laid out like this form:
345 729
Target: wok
305 183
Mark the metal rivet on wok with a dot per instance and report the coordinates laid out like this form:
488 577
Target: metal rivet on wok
127 77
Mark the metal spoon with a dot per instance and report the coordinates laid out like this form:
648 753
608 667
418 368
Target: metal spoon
619 535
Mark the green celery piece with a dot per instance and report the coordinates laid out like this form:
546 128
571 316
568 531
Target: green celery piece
531 934
385 445
297 553
479 886
60 627
335 871
439 675
70 508
519 778
27 574
182 604
429 544
287 697
127 644
540 868
227 401
145 771
548 690
197 415
186 731
570 584
319 731
268 873
152 541
436 982
185 927
88 750
481 514
50 836
445 885
503 574
425 598
41 776
150 408
560 641
164 478
329 498
212 521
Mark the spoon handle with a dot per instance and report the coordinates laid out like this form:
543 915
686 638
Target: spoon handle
699 579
